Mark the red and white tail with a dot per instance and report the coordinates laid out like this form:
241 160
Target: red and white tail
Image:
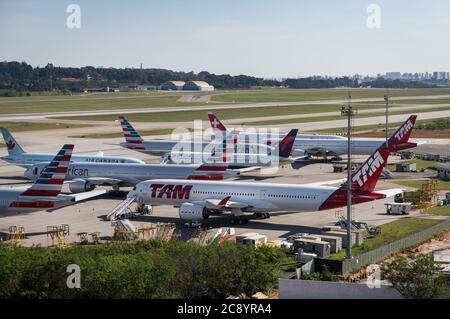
130 134
365 177
216 123
51 180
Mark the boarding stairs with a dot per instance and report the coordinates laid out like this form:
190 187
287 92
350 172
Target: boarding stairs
122 210
386 174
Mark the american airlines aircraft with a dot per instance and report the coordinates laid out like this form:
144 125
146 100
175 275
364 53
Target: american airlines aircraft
235 154
85 177
16 155
315 145
197 200
45 193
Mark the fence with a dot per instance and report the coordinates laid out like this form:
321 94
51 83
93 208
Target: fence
348 265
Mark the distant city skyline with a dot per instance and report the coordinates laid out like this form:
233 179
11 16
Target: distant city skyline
270 39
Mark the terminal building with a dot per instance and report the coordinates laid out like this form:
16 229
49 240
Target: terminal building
186 86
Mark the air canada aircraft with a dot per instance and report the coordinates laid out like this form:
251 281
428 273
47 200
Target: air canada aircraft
197 200
235 154
307 145
17 156
45 193
85 177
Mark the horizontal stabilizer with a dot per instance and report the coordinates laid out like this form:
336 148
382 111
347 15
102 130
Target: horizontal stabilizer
390 192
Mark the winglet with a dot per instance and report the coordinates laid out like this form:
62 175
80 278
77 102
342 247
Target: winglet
224 201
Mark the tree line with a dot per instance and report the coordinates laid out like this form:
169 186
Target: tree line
20 77
145 269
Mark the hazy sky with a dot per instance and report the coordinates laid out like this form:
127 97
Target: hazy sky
256 37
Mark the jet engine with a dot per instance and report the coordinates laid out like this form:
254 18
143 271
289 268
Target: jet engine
79 185
196 212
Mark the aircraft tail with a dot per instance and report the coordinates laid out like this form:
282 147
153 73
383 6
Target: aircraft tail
11 144
367 174
284 148
130 134
51 180
365 177
216 123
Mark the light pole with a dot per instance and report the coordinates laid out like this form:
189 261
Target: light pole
386 98
349 112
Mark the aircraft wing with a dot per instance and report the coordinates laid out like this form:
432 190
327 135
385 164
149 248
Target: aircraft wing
86 195
100 181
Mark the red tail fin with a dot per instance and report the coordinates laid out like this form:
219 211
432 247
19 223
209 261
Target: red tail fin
216 123
366 176
286 144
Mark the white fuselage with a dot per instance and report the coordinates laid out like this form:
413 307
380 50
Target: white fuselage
128 174
260 197
33 158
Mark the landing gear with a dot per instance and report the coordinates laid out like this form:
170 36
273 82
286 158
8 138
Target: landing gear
143 209
239 220
261 215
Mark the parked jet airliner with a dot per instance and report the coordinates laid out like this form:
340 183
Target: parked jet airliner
234 154
45 193
314 145
85 177
16 155
197 200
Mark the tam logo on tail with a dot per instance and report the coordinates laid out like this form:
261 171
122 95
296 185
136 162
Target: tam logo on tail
368 168
402 131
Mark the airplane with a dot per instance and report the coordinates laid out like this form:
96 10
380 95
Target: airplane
17 156
197 200
314 145
216 124
45 193
241 154
84 177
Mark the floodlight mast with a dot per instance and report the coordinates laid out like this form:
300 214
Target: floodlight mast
349 112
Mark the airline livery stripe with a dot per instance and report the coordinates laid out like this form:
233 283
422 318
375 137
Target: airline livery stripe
39 192
33 204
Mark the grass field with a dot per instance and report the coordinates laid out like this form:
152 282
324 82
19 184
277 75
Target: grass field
439 210
32 126
392 126
101 101
120 134
285 95
238 113
330 118
419 164
390 232
417 183
89 102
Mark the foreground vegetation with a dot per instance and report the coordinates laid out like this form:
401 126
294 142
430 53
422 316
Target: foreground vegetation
146 269
390 232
